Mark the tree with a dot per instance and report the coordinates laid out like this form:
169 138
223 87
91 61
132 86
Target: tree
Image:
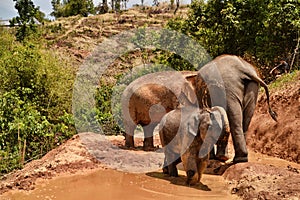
79 7
58 8
72 7
102 7
261 30
27 18
155 3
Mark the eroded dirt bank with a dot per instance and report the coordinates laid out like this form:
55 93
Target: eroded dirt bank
279 139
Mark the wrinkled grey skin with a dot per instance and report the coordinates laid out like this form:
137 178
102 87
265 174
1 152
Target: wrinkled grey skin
187 134
241 85
147 99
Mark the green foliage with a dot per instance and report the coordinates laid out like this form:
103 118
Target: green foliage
175 61
172 49
35 101
28 14
72 7
284 79
265 30
104 109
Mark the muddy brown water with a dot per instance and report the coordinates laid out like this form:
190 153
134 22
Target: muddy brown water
111 184
114 185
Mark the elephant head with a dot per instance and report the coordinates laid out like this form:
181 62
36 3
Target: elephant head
203 129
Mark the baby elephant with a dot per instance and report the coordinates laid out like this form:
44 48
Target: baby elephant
188 134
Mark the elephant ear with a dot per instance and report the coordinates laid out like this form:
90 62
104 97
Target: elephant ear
193 124
216 126
191 78
200 123
217 119
188 96
190 132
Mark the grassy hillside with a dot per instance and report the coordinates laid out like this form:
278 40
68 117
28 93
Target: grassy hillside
80 35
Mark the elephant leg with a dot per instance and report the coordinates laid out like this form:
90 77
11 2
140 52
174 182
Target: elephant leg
148 137
170 162
129 129
249 103
235 116
165 167
212 154
222 150
173 169
177 161
202 166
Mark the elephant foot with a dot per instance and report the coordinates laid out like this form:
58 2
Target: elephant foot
165 170
173 173
129 145
222 158
149 148
173 170
240 159
148 145
129 142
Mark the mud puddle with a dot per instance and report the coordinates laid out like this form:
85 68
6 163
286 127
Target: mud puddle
111 184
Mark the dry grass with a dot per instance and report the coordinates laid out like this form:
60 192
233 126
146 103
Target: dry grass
80 35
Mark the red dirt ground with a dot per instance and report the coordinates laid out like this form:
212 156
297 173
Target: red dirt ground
279 139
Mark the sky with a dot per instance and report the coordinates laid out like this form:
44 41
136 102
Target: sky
8 11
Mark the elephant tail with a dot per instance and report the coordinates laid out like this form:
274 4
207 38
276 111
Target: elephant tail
253 76
272 113
264 85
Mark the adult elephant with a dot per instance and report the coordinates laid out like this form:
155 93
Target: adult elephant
147 99
232 83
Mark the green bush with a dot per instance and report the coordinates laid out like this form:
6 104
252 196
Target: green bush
264 31
35 101
104 109
72 8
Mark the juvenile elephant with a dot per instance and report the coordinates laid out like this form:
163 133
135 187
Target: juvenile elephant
148 98
232 83
188 134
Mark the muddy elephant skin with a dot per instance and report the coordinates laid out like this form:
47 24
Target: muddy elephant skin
187 134
148 98
235 90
